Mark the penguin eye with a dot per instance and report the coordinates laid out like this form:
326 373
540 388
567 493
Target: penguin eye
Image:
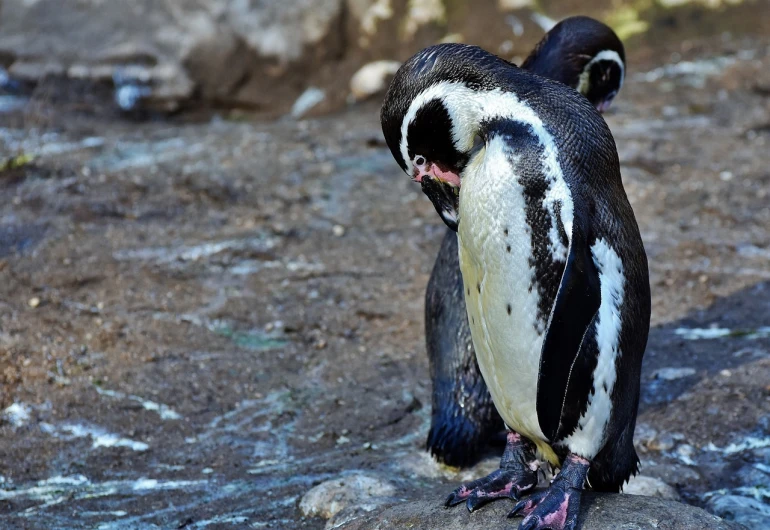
419 160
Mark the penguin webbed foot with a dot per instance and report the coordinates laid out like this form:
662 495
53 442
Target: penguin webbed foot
556 507
517 474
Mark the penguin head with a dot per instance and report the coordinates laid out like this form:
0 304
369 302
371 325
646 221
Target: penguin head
582 53
431 140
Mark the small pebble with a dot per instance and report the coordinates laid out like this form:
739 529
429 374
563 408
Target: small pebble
338 230
670 374
725 373
34 302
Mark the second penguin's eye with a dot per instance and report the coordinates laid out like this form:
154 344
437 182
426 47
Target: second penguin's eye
420 160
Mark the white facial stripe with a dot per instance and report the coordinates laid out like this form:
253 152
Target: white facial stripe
467 108
589 436
604 55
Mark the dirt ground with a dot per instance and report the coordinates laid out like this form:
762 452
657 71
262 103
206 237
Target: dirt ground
199 321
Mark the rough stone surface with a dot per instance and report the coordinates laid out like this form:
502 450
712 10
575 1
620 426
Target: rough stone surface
260 55
331 496
597 512
650 487
747 511
252 54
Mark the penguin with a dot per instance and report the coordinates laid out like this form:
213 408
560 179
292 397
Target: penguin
588 56
554 270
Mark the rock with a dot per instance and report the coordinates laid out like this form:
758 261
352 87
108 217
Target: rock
357 511
671 374
211 48
598 512
650 487
309 99
744 510
372 78
17 414
330 497
247 54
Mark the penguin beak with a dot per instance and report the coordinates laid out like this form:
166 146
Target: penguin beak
442 188
445 197
604 105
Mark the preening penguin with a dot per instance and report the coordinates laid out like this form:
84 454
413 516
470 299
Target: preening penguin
582 53
555 273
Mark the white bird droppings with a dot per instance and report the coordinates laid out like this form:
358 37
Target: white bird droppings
164 411
100 437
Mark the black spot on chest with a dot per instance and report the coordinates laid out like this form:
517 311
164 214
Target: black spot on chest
526 158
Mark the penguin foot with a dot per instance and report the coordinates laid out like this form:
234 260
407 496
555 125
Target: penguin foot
556 507
517 474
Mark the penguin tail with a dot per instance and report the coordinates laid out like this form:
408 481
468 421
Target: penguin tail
615 463
459 441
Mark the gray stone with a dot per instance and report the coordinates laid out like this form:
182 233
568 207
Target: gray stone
181 47
248 54
309 99
671 374
332 496
372 78
651 487
356 511
598 512
744 510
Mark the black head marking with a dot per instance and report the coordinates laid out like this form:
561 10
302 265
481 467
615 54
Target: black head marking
430 132
430 136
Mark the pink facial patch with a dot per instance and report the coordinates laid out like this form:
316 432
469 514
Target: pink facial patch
446 176
433 171
604 105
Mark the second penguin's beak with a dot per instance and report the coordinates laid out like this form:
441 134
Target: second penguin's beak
604 105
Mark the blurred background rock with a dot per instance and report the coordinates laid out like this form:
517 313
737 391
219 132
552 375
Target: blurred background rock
302 55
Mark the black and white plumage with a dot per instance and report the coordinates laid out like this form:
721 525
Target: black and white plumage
555 274
585 54
580 52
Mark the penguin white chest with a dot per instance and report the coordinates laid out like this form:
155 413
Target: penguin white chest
501 298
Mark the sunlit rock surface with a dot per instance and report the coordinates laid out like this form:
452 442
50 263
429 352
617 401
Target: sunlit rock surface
597 512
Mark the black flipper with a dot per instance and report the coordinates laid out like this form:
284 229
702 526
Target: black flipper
569 351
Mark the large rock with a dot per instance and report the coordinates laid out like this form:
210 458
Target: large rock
598 512
332 496
254 54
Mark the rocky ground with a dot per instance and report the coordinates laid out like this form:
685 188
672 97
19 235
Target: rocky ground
202 320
